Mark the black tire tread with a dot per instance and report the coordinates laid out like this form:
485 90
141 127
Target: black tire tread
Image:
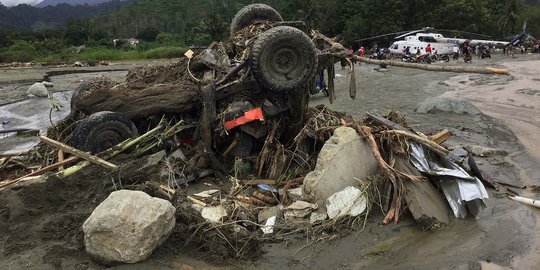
86 135
251 13
82 87
267 41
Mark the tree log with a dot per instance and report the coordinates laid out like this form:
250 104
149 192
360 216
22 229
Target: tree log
134 102
459 69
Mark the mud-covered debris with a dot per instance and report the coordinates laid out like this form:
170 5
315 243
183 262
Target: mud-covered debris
268 227
214 214
481 151
299 209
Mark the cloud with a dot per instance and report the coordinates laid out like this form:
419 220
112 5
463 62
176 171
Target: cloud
9 3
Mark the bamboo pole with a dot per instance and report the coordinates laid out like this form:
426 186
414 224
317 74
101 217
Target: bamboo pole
79 153
116 150
458 69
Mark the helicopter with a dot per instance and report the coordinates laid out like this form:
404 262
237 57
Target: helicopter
419 39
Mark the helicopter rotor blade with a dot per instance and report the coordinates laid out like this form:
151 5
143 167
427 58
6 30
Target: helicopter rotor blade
464 32
380 36
524 26
410 33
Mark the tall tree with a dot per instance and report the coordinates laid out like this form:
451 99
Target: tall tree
509 18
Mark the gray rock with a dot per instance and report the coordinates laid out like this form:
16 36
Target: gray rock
38 90
444 104
295 194
317 217
427 205
127 227
299 209
345 160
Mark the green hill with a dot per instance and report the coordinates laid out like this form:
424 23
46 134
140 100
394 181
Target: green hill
29 17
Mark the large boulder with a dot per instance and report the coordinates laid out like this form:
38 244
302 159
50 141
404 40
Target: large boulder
38 90
127 227
446 104
345 160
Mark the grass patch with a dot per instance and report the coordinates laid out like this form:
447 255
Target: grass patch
92 55
164 52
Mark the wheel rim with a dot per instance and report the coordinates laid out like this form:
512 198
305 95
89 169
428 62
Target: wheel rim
109 136
284 62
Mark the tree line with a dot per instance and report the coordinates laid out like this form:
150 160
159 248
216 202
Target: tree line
187 22
196 21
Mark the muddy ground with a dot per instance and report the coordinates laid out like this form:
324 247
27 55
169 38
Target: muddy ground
36 234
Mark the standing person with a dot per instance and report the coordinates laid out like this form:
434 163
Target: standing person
407 51
361 52
455 50
428 49
319 81
467 51
480 50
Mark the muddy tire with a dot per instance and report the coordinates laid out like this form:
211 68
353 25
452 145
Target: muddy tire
251 13
100 131
283 59
77 94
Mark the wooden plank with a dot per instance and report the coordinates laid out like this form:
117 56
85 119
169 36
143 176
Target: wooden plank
79 153
195 201
383 121
441 137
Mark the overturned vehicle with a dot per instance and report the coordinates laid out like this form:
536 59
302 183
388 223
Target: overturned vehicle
264 70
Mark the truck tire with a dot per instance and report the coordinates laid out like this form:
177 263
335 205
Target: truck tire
251 13
101 131
82 87
283 59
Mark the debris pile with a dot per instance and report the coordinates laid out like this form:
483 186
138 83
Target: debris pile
267 164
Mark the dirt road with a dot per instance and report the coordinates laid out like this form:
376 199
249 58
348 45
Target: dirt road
505 236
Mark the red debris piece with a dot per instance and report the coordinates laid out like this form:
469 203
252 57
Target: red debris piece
249 116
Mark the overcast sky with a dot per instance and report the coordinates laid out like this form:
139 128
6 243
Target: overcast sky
9 3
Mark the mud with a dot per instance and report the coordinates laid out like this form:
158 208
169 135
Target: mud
41 225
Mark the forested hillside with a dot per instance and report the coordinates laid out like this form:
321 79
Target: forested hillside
175 24
71 2
29 17
354 19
